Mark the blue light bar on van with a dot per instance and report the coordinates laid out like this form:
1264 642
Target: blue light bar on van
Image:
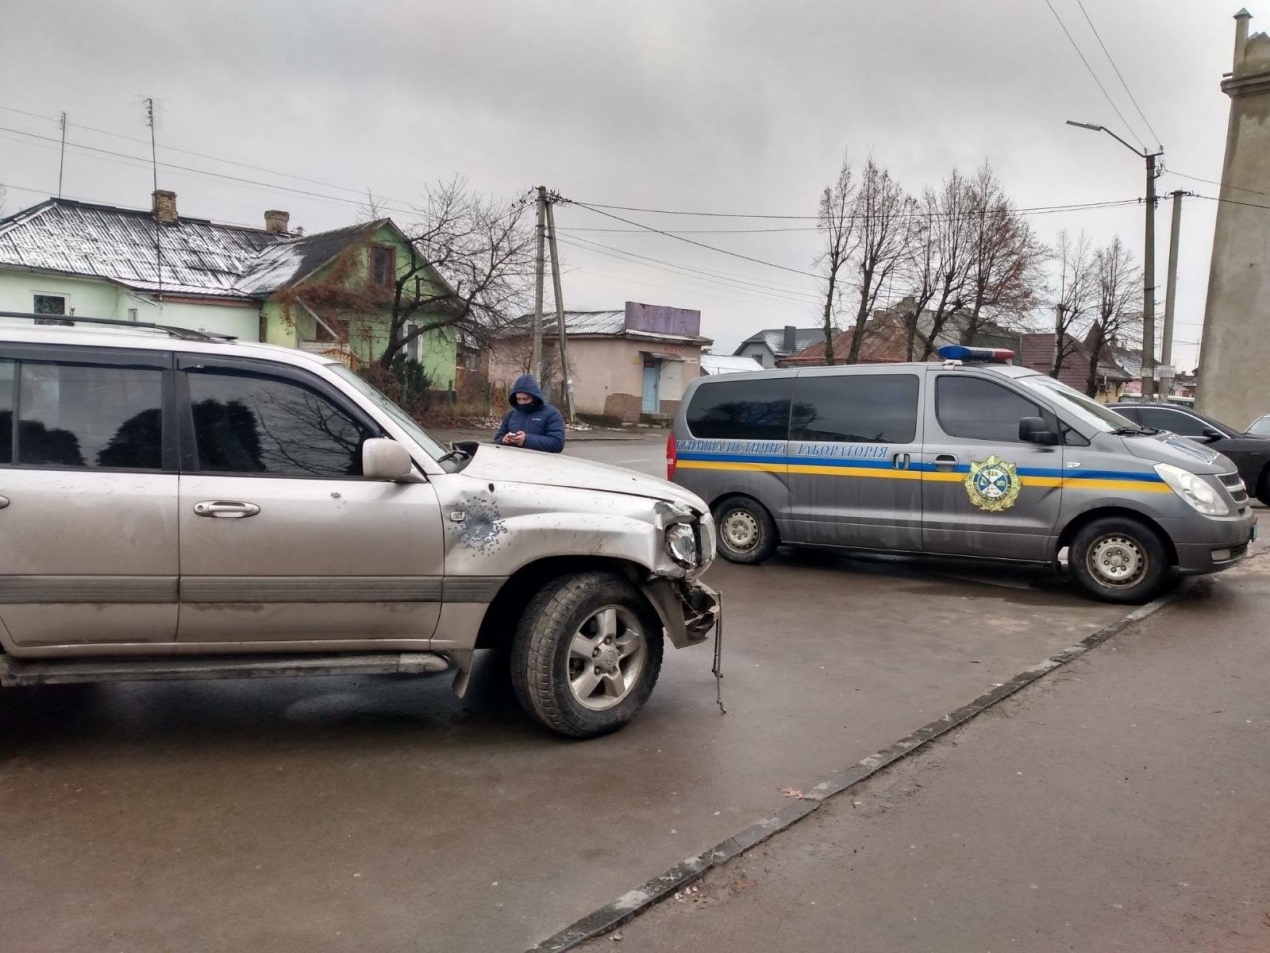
990 355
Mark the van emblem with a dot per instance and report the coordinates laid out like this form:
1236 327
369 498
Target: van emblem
992 484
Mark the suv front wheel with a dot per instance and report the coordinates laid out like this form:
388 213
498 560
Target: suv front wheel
1117 559
586 654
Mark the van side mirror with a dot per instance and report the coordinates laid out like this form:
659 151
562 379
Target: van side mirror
1036 430
386 460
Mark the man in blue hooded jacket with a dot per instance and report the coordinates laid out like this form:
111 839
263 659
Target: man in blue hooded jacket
532 422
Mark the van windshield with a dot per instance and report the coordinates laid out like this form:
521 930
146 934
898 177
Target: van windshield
399 416
1085 409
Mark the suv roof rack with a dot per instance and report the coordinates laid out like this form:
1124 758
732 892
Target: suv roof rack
70 320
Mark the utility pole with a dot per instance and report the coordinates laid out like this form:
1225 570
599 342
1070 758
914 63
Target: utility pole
565 378
1166 349
1148 259
536 361
61 162
158 227
1148 287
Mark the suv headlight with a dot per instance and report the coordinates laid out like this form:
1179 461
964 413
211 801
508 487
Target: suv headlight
681 543
1193 489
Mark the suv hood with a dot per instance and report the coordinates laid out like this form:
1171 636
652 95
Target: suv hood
511 464
1179 451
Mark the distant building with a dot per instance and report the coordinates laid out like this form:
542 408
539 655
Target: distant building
716 364
1109 379
770 345
328 292
625 365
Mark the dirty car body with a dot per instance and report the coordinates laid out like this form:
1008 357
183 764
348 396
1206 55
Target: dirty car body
243 501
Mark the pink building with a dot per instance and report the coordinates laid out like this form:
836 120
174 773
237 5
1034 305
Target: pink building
625 364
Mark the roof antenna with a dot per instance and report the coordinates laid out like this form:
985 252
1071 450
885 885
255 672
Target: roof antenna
61 162
158 229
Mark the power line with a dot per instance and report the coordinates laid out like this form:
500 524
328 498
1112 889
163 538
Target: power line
201 155
1133 99
680 270
1031 210
691 241
206 172
1110 101
1196 178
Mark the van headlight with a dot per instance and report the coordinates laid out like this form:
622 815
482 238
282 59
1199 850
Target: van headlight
1193 489
681 543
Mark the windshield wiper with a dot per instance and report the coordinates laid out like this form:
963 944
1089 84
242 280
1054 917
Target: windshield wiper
1134 431
456 455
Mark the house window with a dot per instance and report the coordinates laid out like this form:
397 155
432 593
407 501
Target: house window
132 314
382 266
49 304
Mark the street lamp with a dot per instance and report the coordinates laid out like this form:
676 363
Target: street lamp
1148 259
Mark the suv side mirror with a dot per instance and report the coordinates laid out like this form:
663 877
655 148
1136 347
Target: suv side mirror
384 459
1036 430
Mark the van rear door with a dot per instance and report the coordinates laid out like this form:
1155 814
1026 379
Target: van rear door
985 492
855 441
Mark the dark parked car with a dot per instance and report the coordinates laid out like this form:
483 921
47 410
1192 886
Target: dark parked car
1250 453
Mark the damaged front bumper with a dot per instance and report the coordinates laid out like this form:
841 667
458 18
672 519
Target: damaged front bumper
688 609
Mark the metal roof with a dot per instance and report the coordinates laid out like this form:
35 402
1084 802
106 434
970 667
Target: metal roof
575 322
198 257
715 364
774 338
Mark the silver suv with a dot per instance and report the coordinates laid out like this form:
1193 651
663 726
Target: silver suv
176 505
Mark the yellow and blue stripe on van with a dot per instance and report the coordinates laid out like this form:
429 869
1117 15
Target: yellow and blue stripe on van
1119 481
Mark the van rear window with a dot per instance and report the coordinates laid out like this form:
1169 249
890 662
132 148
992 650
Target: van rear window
741 409
855 408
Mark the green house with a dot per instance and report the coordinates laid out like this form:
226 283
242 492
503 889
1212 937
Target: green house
330 292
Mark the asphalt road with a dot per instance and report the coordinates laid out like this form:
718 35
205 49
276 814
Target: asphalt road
381 814
1117 805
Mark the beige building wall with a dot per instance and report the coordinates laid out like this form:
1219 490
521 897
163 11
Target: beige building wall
608 373
1235 356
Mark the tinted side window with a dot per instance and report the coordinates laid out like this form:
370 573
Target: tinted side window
856 408
249 424
1182 424
980 409
74 415
741 410
6 411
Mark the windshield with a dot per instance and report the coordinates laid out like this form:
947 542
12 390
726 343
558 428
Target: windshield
399 416
1085 409
1260 427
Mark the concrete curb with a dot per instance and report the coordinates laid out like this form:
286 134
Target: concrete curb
637 901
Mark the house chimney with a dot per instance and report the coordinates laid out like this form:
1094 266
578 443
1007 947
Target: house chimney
276 221
164 207
791 339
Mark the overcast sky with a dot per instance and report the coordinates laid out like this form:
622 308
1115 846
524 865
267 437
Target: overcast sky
742 106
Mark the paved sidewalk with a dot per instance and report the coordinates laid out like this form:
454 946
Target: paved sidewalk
1120 804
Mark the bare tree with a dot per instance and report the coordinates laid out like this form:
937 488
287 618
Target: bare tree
1006 268
883 221
470 267
837 224
1074 296
1117 308
940 258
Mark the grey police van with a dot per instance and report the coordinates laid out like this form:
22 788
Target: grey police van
972 457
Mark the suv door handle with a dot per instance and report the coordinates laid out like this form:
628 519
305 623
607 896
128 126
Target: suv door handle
225 509
945 462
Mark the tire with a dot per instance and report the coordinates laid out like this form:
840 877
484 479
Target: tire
581 618
747 532
1117 559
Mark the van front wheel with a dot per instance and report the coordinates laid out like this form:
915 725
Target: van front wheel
1119 560
747 532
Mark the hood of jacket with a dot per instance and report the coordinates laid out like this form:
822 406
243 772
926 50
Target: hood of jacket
526 384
